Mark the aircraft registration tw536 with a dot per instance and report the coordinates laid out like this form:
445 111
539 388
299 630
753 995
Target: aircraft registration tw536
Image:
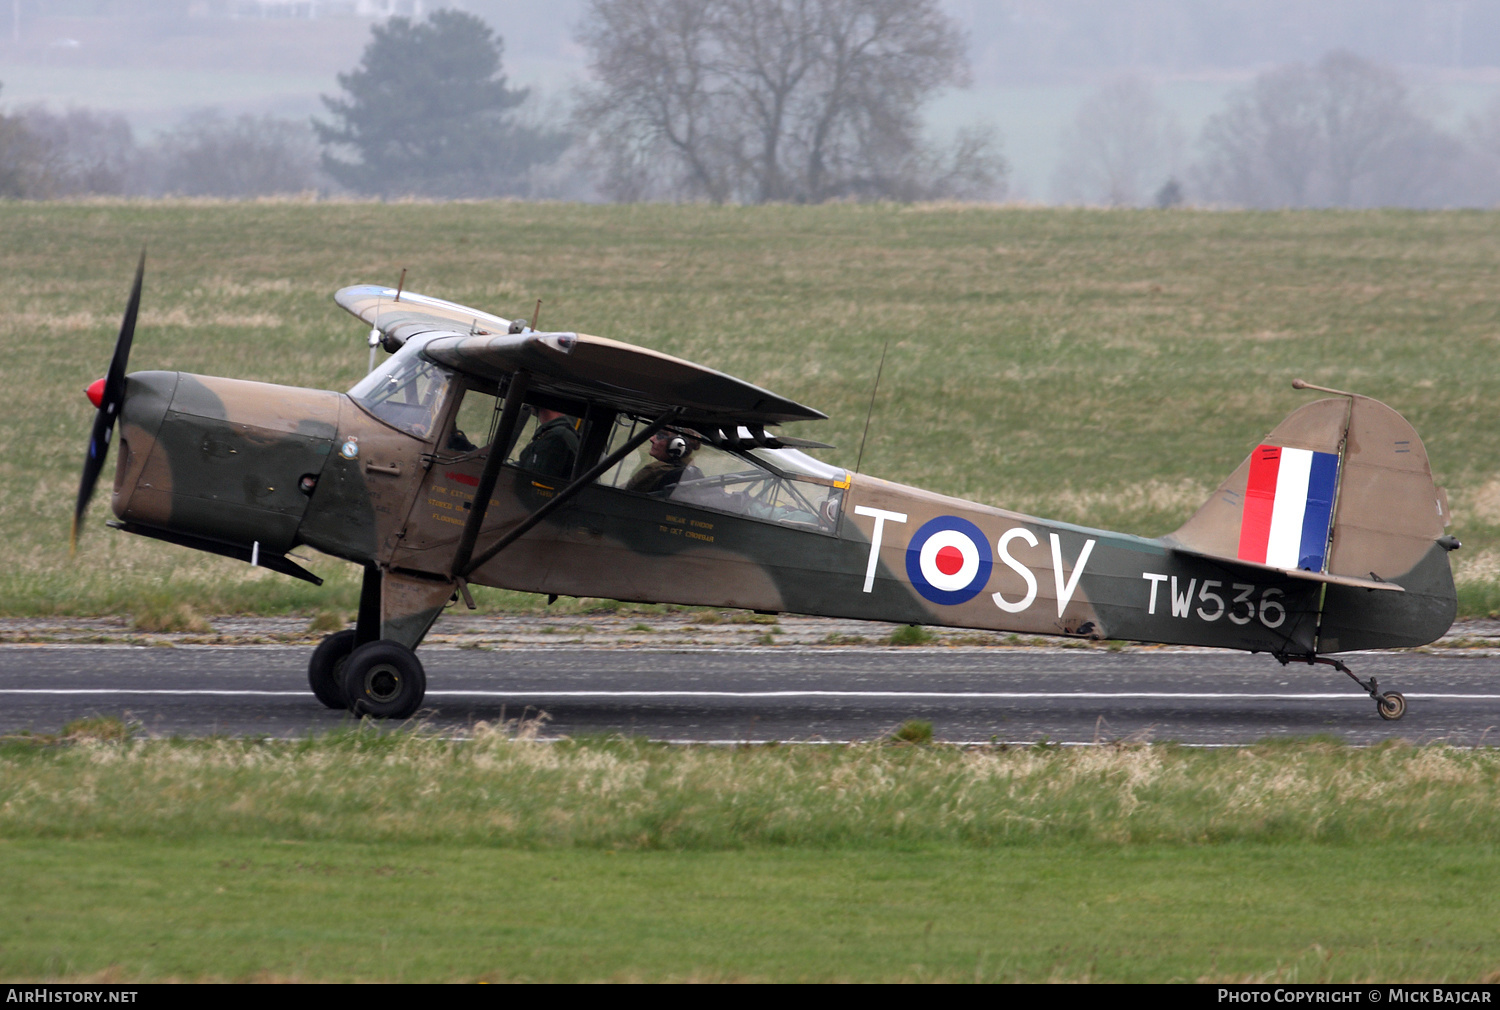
484 452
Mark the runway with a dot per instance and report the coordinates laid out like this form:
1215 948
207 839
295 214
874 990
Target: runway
741 694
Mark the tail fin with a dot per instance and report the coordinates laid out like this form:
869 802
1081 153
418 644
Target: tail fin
1340 491
1341 486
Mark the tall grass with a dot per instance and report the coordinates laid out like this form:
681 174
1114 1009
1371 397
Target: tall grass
618 794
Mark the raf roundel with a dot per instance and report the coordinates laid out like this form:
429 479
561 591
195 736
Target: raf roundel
949 560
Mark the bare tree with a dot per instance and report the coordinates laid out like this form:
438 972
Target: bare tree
208 154
771 100
655 115
769 58
27 170
45 155
1343 133
1367 119
1120 149
971 167
87 151
1264 149
1481 166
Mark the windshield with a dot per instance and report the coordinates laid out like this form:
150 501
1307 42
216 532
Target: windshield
795 463
405 392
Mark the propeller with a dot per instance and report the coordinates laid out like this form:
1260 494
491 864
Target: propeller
108 395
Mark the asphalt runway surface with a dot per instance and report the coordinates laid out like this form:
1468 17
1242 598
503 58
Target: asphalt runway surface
730 695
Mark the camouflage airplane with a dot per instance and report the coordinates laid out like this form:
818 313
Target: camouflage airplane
558 463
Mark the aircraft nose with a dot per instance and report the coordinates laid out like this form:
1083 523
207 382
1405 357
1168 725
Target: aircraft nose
95 393
147 398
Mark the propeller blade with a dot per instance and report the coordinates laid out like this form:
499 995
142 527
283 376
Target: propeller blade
114 381
109 406
93 463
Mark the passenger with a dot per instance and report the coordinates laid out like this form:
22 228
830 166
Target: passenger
671 461
554 445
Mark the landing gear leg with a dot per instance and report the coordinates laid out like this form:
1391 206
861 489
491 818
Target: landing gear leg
382 676
367 625
325 670
1391 704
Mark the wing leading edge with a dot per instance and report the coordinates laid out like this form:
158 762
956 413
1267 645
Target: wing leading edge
379 307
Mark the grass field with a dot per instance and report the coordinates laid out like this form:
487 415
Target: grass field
399 857
1100 367
136 910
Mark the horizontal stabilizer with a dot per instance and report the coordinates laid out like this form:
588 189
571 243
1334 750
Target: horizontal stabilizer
1299 573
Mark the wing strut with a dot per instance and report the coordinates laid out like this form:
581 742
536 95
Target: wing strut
462 569
509 412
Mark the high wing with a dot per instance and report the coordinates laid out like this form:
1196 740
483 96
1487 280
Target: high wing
576 365
386 310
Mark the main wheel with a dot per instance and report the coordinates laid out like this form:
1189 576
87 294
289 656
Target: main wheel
1392 705
384 679
325 670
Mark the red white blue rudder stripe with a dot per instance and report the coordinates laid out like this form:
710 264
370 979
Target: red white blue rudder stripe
1288 507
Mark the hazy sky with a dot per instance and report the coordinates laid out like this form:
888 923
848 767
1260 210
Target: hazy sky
1033 61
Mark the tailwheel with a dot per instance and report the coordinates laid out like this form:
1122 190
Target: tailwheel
325 670
384 679
1392 705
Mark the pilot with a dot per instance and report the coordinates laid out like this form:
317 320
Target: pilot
672 452
553 446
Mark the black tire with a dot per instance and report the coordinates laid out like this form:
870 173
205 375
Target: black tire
384 679
1392 705
325 670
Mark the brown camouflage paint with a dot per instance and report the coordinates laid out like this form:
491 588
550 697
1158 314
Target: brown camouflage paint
223 459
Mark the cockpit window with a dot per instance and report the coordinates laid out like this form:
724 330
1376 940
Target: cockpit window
405 392
794 490
475 422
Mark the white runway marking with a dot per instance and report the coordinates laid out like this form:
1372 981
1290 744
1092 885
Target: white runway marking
949 695
852 695
143 690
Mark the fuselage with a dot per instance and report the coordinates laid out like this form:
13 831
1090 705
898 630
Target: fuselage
277 467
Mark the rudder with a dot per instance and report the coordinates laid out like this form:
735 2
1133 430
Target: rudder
1343 487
